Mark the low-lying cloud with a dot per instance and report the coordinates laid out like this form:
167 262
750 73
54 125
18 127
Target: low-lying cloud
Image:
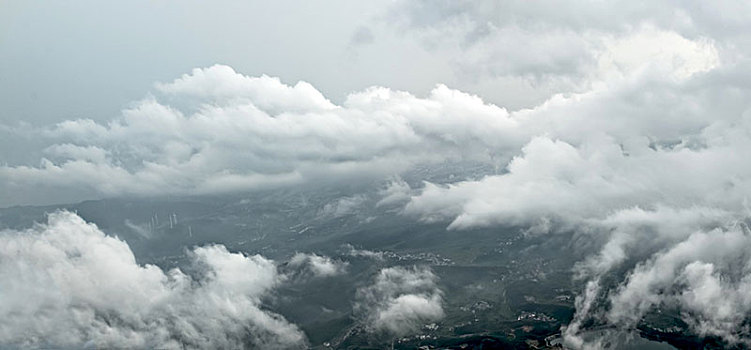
67 284
401 300
318 265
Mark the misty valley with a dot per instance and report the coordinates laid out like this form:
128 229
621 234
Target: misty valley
500 287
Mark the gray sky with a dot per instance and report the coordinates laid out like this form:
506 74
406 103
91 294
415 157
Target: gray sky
91 58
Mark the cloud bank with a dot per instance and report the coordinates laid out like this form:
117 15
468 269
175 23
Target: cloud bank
649 159
216 130
67 284
401 300
318 265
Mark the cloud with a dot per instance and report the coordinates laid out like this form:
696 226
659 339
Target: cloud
706 275
555 179
352 251
640 149
222 84
343 206
520 54
216 131
66 283
639 187
319 266
397 192
633 239
401 300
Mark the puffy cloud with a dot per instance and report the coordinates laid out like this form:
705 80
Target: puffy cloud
641 150
706 275
223 84
66 283
352 251
553 178
319 266
638 239
645 202
216 131
401 300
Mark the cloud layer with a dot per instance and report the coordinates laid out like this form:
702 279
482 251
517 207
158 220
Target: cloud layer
401 300
318 265
65 283
217 131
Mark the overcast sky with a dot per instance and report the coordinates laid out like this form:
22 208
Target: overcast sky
151 98
90 59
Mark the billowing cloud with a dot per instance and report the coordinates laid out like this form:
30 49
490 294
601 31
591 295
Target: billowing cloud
694 274
401 300
693 263
67 284
642 148
520 54
318 265
645 186
216 130
647 243
553 178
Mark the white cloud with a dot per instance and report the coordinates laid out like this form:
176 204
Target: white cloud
352 251
216 130
553 178
642 149
396 192
644 200
698 274
636 239
651 48
223 131
319 266
66 283
401 300
222 84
